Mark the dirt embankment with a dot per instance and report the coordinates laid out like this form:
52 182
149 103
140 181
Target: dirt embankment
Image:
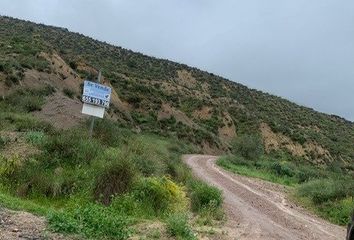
260 210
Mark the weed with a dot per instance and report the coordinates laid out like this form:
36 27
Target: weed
116 177
68 92
178 226
203 195
35 138
92 221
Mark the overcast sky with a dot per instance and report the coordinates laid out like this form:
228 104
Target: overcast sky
302 50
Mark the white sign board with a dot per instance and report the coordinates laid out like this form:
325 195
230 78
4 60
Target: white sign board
96 94
93 110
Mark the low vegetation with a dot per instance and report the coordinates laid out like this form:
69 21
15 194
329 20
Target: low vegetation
119 177
99 187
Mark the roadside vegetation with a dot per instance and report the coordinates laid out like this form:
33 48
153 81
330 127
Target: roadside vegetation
119 177
100 187
327 190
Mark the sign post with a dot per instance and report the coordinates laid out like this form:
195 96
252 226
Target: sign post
96 98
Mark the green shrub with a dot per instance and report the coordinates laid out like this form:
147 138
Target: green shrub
338 211
110 134
91 221
282 169
71 148
202 195
238 160
324 190
11 80
178 227
248 146
36 138
28 99
3 141
116 178
160 195
68 92
27 123
208 214
148 156
9 167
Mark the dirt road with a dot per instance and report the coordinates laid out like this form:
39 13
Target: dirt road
260 210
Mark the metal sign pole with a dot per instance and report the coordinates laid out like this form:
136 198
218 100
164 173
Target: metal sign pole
92 117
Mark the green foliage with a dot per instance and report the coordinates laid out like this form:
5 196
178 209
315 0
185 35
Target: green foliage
71 148
35 138
324 190
160 195
110 133
146 82
248 146
333 199
29 100
178 227
91 221
68 92
203 196
327 191
210 213
3 141
115 178
146 157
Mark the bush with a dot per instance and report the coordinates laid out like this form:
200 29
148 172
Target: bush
178 226
203 195
27 123
36 138
160 195
116 178
324 190
110 134
282 169
71 148
68 92
11 79
92 221
3 141
248 146
149 157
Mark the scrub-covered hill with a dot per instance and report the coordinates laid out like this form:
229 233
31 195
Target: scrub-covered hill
163 97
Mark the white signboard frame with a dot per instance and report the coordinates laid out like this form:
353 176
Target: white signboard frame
93 110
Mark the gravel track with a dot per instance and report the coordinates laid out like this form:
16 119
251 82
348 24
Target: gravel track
258 209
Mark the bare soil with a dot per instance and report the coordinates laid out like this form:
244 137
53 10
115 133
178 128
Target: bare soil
24 226
258 209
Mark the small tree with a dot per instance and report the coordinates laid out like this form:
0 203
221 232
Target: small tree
248 146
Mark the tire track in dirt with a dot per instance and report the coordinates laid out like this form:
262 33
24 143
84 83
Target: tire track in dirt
258 209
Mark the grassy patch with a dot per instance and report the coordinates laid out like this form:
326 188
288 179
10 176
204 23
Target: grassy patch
178 227
92 221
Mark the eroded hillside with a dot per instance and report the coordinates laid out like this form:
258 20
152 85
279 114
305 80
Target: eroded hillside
160 96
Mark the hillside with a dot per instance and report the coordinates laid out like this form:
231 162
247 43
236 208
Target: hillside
160 96
128 180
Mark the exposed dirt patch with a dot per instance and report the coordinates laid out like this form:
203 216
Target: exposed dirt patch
258 209
204 113
150 230
228 131
276 141
167 111
22 225
186 79
61 111
17 146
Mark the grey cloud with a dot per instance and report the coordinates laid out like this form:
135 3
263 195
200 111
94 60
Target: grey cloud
301 50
